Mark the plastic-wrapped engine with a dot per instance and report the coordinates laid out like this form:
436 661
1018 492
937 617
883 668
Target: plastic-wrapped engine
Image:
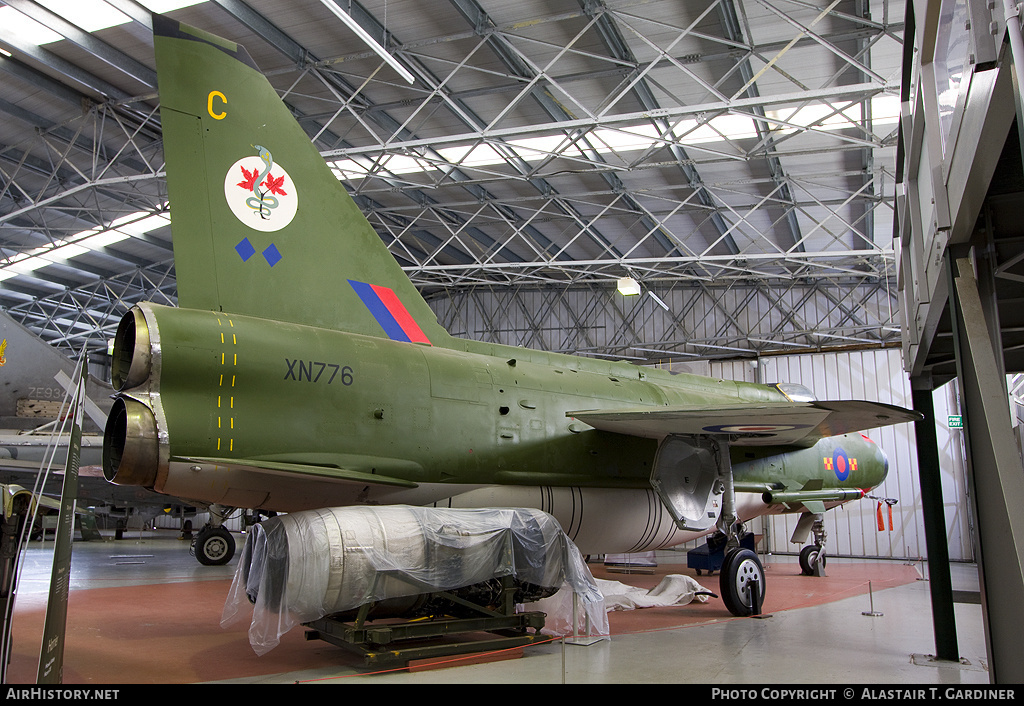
303 566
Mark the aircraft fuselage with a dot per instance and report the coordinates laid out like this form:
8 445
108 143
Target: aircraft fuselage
205 395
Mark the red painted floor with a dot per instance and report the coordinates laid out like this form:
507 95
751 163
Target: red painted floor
170 633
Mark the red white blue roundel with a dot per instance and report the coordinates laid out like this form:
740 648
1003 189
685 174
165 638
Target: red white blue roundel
841 464
752 428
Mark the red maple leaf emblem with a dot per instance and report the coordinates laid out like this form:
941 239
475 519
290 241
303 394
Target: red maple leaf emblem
275 184
250 179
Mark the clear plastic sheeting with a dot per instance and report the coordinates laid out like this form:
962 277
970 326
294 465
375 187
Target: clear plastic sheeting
307 565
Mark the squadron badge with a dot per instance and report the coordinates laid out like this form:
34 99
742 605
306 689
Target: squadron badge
260 193
262 196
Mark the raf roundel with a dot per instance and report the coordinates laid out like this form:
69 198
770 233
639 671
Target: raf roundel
752 428
260 192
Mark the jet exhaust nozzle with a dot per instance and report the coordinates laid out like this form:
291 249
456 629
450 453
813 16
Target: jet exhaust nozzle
132 357
130 444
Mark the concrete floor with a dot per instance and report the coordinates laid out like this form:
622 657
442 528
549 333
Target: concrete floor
142 610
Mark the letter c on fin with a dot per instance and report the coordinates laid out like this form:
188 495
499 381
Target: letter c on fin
209 105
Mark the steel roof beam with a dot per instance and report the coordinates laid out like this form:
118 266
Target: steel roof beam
42 14
470 119
641 67
734 31
855 92
619 49
518 66
100 88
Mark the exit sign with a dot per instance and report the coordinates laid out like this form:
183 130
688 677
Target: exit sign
956 421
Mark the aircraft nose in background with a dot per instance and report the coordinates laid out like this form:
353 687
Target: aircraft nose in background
883 461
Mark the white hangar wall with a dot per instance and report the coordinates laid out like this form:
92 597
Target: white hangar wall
875 375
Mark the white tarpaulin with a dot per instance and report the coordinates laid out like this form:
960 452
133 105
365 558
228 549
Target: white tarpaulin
674 590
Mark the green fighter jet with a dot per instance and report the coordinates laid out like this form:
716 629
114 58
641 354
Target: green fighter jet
302 369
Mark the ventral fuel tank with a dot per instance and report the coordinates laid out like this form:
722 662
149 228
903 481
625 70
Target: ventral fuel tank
303 566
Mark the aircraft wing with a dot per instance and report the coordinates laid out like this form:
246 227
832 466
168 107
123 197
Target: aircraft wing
751 424
322 472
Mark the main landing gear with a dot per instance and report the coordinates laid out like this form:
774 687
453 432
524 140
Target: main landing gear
692 475
742 582
214 545
742 579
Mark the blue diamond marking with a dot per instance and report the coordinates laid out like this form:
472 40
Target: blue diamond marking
272 255
245 249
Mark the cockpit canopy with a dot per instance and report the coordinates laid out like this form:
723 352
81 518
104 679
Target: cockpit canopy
795 391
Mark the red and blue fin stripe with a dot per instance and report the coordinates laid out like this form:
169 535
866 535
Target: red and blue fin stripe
390 313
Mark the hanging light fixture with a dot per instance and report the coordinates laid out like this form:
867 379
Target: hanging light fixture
628 286
659 300
370 41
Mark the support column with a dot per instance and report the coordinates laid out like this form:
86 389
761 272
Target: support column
995 474
929 474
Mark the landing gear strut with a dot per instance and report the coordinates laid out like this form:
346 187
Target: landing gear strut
742 579
693 476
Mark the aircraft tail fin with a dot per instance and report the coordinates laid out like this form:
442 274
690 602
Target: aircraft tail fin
35 378
261 225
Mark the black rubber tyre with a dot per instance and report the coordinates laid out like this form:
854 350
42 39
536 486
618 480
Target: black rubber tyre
740 568
214 547
809 555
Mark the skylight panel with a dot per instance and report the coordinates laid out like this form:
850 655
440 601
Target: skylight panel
723 127
477 156
685 132
90 15
85 241
26 28
164 6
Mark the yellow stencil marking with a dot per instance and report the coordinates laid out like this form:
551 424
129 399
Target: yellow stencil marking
209 105
220 384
